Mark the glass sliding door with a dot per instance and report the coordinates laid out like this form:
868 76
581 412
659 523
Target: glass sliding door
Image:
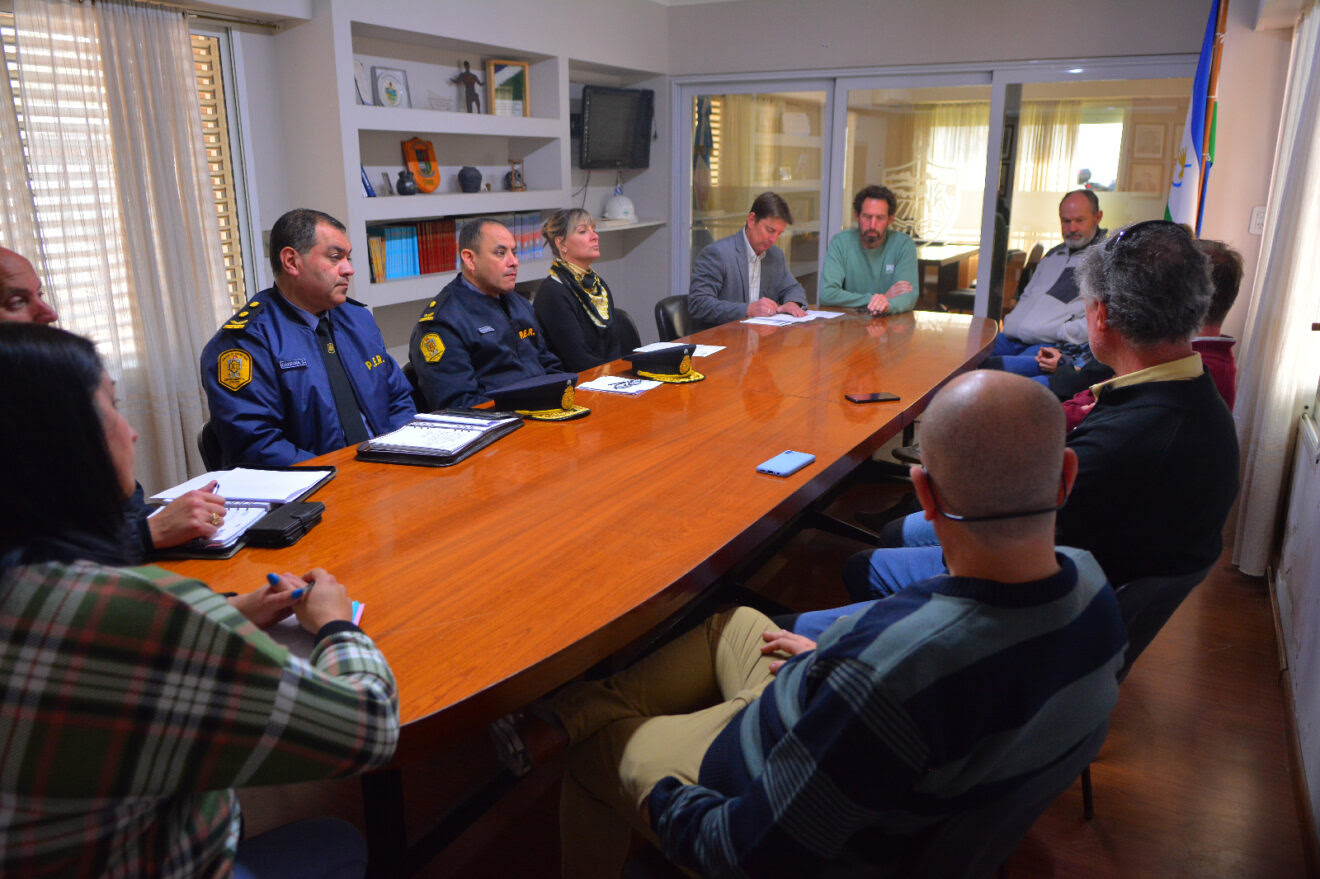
928 144
746 143
1117 138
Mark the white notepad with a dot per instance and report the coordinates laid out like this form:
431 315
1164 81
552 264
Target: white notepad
245 484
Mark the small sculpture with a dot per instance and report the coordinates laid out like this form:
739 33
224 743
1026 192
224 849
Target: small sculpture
407 184
469 81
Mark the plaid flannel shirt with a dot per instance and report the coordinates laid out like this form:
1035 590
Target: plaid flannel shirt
134 699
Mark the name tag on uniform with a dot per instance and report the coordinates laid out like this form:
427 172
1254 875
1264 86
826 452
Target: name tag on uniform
485 329
300 363
889 268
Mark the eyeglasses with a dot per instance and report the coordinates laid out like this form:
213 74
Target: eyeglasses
1112 241
935 498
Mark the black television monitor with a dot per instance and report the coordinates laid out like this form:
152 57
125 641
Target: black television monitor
616 127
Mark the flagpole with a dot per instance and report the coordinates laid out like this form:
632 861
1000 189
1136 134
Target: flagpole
1211 110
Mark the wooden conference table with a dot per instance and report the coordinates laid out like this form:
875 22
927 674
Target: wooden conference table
490 583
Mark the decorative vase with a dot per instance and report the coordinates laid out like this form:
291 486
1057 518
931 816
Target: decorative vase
469 179
407 184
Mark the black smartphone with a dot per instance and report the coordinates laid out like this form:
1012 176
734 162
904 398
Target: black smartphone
878 397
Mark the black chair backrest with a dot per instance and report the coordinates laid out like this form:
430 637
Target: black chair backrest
975 843
1147 604
208 443
672 318
411 375
629 338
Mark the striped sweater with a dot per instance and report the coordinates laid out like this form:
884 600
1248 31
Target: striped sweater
922 706
134 699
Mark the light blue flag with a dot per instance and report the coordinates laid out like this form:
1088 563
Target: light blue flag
1185 196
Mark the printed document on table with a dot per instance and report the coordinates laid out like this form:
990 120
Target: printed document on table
774 320
827 315
245 484
619 384
701 350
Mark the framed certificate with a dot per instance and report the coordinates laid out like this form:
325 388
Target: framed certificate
506 86
391 87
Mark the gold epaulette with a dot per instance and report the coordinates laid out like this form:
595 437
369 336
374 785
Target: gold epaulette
240 320
428 313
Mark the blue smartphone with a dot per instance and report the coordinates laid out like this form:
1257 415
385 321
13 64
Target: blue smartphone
785 463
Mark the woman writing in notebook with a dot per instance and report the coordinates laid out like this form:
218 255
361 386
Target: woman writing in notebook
574 306
135 699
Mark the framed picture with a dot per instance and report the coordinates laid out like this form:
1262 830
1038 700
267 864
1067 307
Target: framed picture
391 87
1146 177
506 88
1148 141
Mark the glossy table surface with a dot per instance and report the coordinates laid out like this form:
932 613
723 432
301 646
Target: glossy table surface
491 582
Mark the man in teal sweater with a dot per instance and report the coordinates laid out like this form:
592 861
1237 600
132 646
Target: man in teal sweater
871 266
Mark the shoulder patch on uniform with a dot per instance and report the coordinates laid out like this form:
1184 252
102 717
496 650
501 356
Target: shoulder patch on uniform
432 348
234 368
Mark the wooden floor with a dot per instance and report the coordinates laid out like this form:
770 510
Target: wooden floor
1193 781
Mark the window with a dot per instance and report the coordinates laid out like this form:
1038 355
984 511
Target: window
220 159
63 246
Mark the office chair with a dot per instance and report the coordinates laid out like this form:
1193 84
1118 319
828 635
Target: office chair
963 301
1030 268
672 318
419 400
970 845
208 443
630 338
1145 606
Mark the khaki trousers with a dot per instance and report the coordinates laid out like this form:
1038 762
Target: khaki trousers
655 719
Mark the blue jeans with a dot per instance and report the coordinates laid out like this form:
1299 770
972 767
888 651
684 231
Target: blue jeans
318 848
1016 356
877 574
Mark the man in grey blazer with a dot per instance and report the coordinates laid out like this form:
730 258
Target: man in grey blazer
746 275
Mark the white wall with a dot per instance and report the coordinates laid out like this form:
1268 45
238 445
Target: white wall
1252 77
751 35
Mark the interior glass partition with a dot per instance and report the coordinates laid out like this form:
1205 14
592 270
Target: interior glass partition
928 145
744 144
1118 138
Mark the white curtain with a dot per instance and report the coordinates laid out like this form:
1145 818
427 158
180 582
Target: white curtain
1280 355
18 228
948 143
1046 141
118 176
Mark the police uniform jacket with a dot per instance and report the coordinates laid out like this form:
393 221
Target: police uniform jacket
268 390
467 344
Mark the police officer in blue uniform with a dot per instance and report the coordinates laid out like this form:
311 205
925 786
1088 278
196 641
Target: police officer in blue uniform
477 335
302 369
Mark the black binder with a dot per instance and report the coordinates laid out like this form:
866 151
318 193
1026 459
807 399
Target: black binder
447 459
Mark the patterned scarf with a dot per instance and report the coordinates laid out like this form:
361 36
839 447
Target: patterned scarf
588 287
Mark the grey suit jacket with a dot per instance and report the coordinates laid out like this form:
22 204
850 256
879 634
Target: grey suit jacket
718 293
